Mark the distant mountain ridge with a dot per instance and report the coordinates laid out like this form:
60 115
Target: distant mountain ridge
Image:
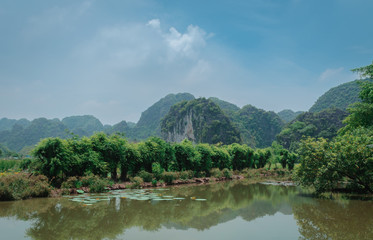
288 115
83 125
256 127
23 133
338 97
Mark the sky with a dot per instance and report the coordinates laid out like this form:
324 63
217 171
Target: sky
113 59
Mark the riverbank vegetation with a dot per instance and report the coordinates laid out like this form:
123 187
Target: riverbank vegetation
101 160
347 160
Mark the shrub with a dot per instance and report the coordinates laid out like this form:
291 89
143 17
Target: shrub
23 186
227 173
215 172
154 182
95 183
137 182
71 182
147 177
100 185
169 177
189 174
157 170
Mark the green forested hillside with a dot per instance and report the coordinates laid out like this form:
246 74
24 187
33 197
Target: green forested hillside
83 125
200 120
322 124
338 97
121 127
258 128
7 124
19 136
228 108
149 122
288 115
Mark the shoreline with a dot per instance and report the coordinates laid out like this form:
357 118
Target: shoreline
267 180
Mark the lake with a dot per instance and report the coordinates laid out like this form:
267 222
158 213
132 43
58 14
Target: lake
228 210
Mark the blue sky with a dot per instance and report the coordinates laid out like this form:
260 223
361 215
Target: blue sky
113 59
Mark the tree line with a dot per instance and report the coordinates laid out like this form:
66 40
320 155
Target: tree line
112 155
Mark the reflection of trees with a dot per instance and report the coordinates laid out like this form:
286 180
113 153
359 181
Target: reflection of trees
326 219
63 219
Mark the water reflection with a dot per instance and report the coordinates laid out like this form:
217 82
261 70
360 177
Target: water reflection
64 219
326 219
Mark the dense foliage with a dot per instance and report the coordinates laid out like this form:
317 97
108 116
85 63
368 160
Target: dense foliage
347 159
207 123
361 113
104 155
326 164
288 115
258 128
323 124
338 97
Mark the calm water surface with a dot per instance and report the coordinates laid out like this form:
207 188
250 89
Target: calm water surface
231 210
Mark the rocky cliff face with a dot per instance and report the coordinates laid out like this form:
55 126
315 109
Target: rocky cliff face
182 130
199 120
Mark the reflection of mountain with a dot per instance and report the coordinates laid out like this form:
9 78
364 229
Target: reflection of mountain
64 219
226 201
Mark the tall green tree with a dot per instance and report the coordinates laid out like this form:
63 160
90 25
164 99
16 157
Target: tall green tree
241 156
361 113
220 158
54 159
131 162
185 156
205 161
365 72
111 150
347 158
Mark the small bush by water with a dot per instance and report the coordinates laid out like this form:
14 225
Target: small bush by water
17 186
94 183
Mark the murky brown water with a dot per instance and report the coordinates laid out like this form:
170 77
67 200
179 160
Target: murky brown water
232 210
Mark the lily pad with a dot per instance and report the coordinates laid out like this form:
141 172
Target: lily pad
80 191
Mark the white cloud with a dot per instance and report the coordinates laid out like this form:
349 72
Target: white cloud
187 43
330 74
155 23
